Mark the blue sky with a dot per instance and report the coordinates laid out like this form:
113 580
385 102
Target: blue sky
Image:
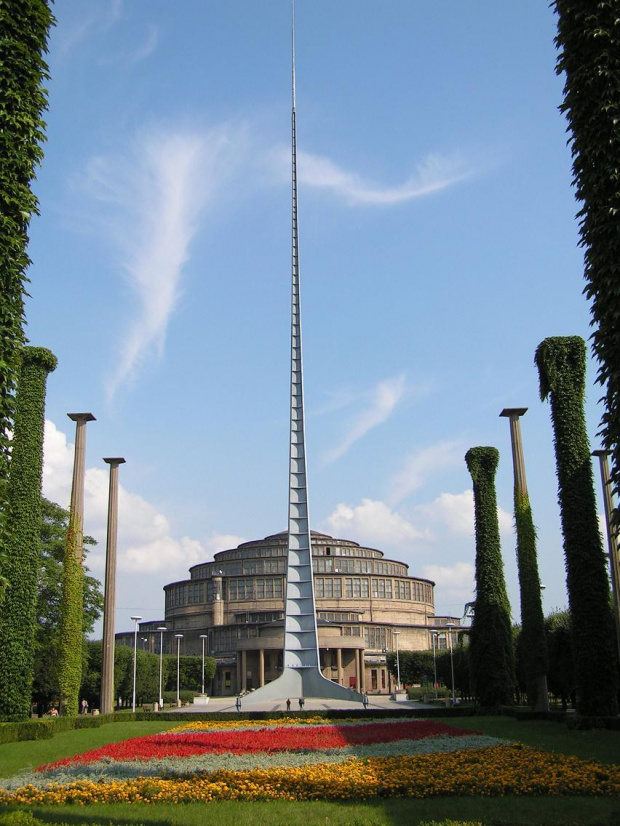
438 248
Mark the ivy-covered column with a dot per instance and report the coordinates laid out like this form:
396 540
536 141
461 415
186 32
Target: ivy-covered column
17 613
561 363
588 41
491 650
24 28
533 641
71 622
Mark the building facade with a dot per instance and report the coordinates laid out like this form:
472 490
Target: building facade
233 606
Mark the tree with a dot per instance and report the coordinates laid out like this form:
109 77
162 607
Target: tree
18 616
24 27
561 365
491 656
561 659
588 40
53 531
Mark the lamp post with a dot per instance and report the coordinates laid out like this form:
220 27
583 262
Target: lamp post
434 638
396 634
161 630
451 625
135 660
178 638
203 637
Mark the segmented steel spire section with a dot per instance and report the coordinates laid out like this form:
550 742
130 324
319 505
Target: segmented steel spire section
301 674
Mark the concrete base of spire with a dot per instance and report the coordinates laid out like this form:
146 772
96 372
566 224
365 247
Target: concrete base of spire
304 682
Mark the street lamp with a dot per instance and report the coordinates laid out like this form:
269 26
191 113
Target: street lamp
451 625
178 638
135 660
434 635
161 630
396 634
203 637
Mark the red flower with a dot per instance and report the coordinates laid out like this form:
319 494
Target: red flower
269 740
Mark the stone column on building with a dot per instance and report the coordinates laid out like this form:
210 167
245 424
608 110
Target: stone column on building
107 663
244 670
261 667
358 671
239 682
339 666
218 602
612 537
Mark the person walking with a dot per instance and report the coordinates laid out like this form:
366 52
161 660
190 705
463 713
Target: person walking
288 705
301 703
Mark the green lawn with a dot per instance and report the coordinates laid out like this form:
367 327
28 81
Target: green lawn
509 811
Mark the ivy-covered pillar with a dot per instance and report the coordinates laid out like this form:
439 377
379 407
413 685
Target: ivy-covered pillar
491 650
533 641
561 363
71 622
23 72
18 611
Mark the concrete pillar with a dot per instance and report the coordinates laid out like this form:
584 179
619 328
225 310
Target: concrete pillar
244 670
362 671
77 486
218 602
612 538
358 677
520 483
261 667
339 665
107 664
239 682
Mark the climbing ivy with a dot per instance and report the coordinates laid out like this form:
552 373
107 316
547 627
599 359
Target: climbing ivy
17 613
533 641
561 365
588 41
491 650
71 625
24 27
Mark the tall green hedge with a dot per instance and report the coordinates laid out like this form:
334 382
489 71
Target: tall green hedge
588 41
491 653
24 27
561 365
533 642
17 613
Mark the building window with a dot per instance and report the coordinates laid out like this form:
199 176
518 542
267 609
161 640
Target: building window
356 587
376 639
328 587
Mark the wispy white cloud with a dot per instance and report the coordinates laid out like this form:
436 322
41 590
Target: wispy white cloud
372 523
421 464
381 402
434 174
153 198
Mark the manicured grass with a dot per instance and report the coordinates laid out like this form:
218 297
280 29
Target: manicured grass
17 757
490 811
596 744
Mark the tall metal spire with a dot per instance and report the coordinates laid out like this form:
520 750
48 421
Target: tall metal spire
301 674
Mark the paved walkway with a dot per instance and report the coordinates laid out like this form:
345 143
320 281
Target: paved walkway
218 705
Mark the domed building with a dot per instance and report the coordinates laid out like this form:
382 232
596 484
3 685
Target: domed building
366 606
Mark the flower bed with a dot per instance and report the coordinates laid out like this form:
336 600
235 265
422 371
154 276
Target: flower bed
308 761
